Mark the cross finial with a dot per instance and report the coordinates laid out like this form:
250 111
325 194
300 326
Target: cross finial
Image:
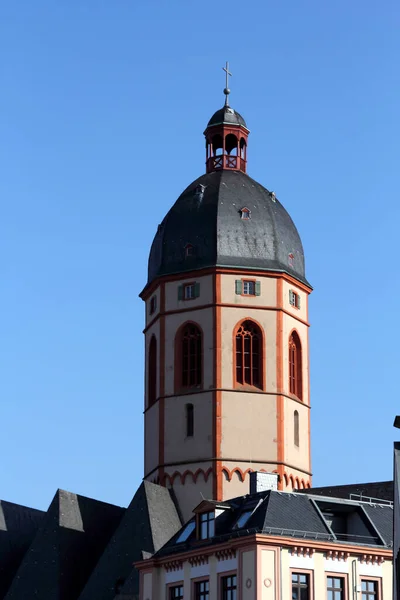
227 91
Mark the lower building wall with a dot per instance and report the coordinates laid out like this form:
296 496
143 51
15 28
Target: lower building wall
265 573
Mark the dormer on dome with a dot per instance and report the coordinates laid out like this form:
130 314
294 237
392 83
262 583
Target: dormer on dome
226 138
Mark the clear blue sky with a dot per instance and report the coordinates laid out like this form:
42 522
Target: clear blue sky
102 108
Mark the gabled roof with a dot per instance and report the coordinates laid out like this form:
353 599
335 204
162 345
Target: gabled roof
18 527
149 522
70 539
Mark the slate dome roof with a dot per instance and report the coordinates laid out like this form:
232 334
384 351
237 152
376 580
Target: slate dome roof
207 216
227 115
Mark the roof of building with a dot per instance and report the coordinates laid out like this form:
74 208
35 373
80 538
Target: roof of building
74 531
208 217
304 516
226 115
149 522
375 490
18 527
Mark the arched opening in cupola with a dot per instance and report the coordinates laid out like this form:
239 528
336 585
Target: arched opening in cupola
231 144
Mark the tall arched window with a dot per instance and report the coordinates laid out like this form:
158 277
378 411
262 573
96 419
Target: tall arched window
248 354
295 366
152 371
296 428
190 341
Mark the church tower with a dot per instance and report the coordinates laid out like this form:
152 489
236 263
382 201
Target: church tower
226 335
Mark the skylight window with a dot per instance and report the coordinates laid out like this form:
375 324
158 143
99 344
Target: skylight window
186 532
242 520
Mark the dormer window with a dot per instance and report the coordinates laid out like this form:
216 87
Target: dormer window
245 213
206 525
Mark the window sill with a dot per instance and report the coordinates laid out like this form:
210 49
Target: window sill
248 388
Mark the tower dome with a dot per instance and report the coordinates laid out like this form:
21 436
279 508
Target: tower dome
225 218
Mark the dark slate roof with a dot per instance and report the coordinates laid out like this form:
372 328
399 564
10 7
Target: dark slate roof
228 116
290 514
149 522
210 221
67 545
377 490
18 527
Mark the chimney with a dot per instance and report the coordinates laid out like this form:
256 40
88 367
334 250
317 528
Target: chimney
262 482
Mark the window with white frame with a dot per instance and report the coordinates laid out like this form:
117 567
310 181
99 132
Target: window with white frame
294 299
206 525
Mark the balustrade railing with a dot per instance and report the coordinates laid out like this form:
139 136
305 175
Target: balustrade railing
224 161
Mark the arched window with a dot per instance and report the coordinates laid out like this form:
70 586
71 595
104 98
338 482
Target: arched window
152 371
296 428
295 366
189 420
248 354
190 341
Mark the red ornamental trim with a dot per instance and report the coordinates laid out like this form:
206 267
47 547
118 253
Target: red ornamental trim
241 473
170 479
174 565
304 551
225 554
336 555
196 561
372 559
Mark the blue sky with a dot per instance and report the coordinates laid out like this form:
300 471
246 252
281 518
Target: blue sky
102 110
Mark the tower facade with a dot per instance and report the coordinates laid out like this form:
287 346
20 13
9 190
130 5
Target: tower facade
226 334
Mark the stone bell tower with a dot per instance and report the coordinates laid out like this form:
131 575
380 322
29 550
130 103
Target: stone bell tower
226 334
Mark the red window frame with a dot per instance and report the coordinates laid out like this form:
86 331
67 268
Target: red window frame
189 356
152 372
249 355
295 366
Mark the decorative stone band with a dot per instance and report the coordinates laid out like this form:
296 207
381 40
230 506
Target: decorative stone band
200 559
173 565
372 559
226 554
337 555
304 551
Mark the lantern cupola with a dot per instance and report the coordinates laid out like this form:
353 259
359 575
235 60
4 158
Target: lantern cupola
226 137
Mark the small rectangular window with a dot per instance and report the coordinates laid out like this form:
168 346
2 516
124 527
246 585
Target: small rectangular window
206 525
335 588
176 592
300 586
153 304
369 589
202 590
188 291
294 299
228 588
249 288
189 420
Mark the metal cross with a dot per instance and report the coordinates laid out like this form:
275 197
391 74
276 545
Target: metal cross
227 91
